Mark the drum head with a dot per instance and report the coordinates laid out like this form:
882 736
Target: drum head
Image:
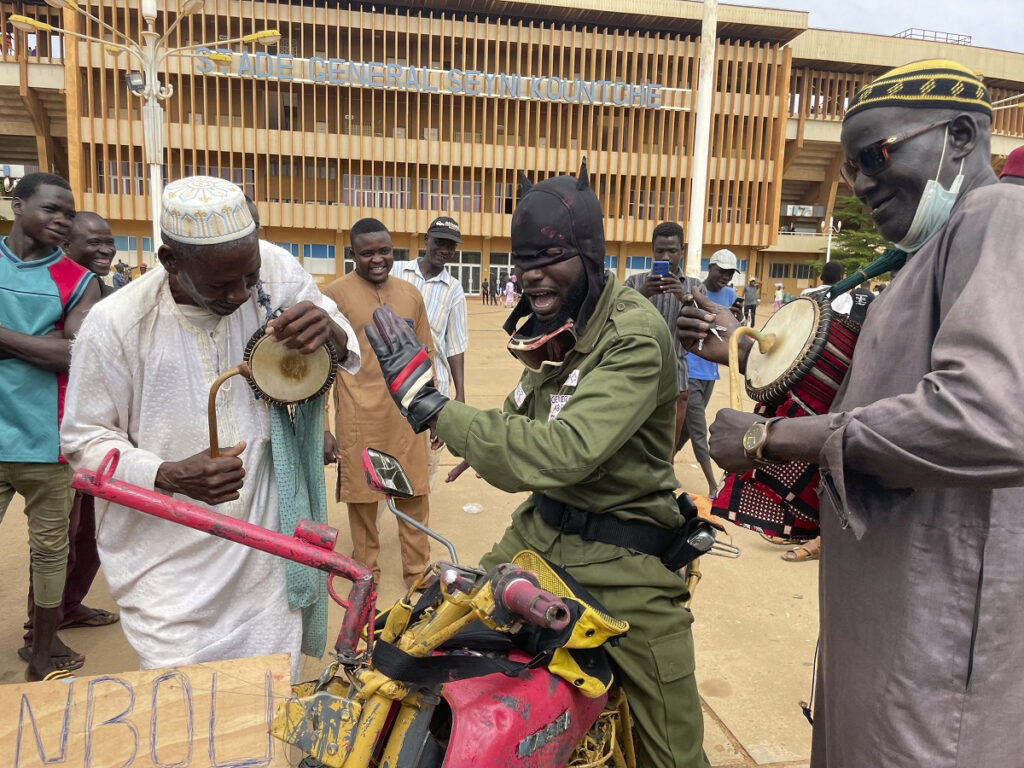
286 376
795 326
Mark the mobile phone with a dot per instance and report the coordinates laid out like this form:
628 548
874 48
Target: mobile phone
660 269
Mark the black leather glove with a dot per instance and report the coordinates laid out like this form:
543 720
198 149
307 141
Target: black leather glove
406 367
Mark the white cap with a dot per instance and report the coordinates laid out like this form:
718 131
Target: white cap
203 210
725 259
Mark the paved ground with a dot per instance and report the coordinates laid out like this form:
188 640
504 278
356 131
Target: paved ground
756 616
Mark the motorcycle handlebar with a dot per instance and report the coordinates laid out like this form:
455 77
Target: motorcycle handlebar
535 605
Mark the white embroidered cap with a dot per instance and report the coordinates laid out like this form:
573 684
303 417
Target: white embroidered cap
202 210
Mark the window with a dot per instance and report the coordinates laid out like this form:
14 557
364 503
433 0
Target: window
611 262
318 259
374 191
292 248
803 271
500 264
778 271
503 197
446 195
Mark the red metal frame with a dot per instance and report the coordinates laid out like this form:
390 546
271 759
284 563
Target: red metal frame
312 544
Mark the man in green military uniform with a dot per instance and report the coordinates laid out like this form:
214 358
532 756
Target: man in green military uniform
588 429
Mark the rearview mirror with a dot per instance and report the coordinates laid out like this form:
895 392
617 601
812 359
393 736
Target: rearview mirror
384 474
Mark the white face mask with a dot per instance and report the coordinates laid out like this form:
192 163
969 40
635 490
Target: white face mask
933 208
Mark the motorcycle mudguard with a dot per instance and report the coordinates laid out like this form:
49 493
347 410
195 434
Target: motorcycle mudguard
533 721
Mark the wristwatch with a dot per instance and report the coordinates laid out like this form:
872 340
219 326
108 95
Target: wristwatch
756 437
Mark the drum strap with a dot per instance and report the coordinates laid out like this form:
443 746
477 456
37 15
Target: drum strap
669 546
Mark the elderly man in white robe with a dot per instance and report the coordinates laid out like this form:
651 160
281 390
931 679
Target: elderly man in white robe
922 456
140 377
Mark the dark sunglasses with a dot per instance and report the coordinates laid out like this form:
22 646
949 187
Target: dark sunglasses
873 158
547 349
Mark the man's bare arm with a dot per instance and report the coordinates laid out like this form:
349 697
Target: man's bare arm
51 352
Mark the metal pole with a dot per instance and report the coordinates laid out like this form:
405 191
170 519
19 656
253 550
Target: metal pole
702 136
828 245
152 124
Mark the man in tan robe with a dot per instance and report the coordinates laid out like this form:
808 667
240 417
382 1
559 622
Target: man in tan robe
922 457
366 416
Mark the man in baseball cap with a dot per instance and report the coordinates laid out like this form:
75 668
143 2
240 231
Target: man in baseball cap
445 228
445 301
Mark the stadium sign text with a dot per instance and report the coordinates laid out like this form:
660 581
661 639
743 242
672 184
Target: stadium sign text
374 74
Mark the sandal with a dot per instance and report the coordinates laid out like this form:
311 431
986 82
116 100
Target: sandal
63 662
91 617
58 675
809 551
782 542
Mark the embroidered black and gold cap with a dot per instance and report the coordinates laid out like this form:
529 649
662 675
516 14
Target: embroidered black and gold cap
932 83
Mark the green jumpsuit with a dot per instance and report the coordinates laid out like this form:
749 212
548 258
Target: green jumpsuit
596 433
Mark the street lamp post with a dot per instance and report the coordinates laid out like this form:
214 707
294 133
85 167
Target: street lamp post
832 230
150 54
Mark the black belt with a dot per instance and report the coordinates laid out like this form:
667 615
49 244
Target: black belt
668 545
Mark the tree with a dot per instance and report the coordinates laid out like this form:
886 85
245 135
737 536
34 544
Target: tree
858 242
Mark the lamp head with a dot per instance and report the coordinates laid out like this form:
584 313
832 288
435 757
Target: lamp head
27 24
136 82
265 37
149 11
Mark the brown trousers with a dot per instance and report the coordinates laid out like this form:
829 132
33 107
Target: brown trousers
362 521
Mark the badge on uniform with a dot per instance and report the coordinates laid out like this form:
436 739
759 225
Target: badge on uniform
519 395
574 379
557 403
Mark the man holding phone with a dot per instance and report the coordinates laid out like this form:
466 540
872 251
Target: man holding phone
664 286
703 374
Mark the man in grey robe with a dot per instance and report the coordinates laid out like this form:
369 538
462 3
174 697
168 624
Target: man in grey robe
922 456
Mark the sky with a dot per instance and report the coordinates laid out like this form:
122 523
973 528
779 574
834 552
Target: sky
990 23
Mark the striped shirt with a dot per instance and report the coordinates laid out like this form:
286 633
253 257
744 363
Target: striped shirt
669 305
446 309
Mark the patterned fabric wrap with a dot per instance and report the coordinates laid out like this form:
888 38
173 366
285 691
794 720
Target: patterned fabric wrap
781 500
296 439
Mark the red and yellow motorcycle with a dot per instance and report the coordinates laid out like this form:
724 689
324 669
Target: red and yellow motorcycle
485 668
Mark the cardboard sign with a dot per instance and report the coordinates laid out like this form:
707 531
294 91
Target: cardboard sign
201 716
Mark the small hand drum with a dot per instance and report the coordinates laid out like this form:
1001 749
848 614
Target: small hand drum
795 369
277 374
808 359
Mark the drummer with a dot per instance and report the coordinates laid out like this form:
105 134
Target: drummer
140 377
922 461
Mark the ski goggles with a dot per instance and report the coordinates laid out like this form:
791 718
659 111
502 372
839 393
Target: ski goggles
873 159
548 349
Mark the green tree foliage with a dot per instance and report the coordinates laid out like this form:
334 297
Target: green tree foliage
858 242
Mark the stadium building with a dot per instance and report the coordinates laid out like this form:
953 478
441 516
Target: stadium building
404 112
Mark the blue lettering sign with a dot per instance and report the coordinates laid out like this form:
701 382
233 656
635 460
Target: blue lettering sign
203 64
317 70
244 66
284 66
455 80
375 74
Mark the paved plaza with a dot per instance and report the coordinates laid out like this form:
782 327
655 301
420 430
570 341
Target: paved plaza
756 616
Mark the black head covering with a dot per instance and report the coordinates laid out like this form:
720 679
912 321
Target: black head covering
561 212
